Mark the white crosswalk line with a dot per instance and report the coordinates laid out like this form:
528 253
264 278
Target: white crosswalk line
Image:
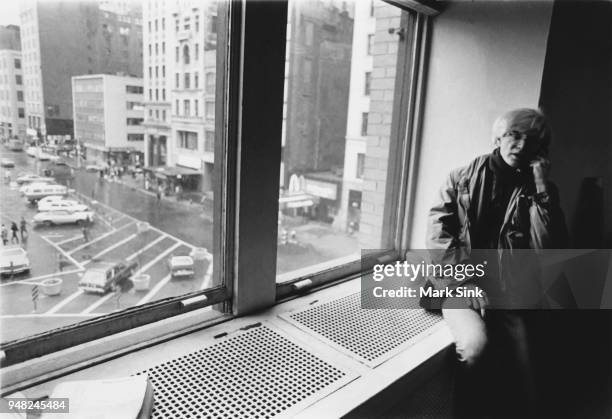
154 291
147 247
108 249
59 243
97 239
66 300
98 303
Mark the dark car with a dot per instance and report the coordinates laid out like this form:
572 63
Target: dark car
102 277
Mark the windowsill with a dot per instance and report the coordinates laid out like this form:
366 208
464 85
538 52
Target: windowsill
369 383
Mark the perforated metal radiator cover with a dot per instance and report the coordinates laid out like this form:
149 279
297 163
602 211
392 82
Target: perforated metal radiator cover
369 335
259 373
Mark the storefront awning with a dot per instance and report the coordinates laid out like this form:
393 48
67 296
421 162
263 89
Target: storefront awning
171 171
299 200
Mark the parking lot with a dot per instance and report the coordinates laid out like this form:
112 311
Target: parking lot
60 251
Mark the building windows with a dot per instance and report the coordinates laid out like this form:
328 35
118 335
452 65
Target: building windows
176 26
163 71
19 96
308 33
134 106
307 73
150 26
150 94
213 24
187 25
164 48
156 71
176 80
156 48
18 80
150 49
196 79
360 165
134 121
163 23
177 53
164 114
195 108
134 89
364 124
370 44
197 23
157 114
21 113
186 108
187 81
368 82
186 54
150 72
17 63
209 141
150 113
176 107
210 82
157 95
135 137
187 140
156 26
210 109
196 52
163 94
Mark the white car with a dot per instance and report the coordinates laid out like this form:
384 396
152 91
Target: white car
7 163
36 191
31 178
51 198
13 260
32 151
95 167
63 217
64 204
181 266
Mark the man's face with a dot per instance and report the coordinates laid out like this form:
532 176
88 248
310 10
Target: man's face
518 148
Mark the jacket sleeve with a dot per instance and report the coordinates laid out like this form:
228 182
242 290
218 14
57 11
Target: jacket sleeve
547 222
443 230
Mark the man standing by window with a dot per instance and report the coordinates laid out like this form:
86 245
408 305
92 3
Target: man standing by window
502 200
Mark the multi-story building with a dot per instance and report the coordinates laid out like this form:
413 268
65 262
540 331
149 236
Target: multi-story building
62 39
318 64
357 119
108 117
12 105
180 63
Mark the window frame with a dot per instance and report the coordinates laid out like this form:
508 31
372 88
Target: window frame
247 149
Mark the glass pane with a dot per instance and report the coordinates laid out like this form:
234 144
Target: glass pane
104 118
340 76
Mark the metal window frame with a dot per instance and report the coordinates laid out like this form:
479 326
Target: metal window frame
403 159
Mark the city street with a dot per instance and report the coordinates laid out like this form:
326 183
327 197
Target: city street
117 234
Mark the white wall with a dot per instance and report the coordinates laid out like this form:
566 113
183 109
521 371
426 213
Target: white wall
484 59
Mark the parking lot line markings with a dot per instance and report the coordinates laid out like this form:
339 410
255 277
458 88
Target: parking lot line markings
148 246
154 291
33 280
65 254
64 302
59 243
76 249
157 259
98 303
108 249
184 243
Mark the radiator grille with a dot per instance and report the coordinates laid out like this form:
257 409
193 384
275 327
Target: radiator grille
258 373
370 335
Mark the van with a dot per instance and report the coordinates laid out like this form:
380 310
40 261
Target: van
34 192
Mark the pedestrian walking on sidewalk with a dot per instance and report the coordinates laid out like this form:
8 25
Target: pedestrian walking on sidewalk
85 233
14 229
23 230
4 235
159 194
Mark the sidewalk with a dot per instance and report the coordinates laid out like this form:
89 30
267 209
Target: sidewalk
137 183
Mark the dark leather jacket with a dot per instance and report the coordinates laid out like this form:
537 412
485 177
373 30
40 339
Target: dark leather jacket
532 220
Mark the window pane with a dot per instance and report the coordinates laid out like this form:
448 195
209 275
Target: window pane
136 165
340 66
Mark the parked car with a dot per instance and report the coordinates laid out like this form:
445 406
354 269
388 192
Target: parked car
32 151
181 266
101 277
50 198
63 204
50 218
13 260
15 144
32 178
36 191
7 163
